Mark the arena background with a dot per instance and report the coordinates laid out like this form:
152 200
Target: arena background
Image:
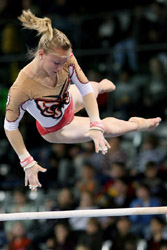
127 43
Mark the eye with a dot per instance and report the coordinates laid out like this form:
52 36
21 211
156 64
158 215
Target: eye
57 63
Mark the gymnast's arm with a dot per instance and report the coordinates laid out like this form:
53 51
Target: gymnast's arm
16 140
92 110
14 114
90 103
91 107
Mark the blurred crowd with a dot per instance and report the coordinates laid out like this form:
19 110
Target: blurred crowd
128 45
130 175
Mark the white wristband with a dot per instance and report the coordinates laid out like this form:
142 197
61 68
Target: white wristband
30 165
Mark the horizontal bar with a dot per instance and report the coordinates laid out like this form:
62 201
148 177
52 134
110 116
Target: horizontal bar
83 213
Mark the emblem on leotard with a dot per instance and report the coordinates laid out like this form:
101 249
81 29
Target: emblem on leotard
52 108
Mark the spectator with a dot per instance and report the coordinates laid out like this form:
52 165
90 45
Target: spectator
86 154
59 165
123 237
152 179
143 199
124 50
62 239
30 4
92 237
17 237
123 193
115 154
88 181
156 15
11 42
51 181
65 200
83 247
3 239
149 21
154 91
131 245
4 6
47 203
117 170
116 195
61 8
163 247
87 201
150 150
125 102
20 204
109 30
157 234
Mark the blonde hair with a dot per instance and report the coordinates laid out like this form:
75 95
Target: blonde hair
51 38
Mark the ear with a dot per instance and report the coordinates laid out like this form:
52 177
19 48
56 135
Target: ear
40 52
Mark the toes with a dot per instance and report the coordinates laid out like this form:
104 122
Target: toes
146 124
158 119
153 123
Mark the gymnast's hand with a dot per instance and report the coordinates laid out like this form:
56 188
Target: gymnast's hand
100 142
31 177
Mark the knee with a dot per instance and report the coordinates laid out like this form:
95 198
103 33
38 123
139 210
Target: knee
107 126
108 85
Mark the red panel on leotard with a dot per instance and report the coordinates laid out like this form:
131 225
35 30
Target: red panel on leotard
67 118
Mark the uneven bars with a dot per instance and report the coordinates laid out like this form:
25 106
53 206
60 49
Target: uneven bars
83 213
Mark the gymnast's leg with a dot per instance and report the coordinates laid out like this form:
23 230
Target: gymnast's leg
98 88
77 130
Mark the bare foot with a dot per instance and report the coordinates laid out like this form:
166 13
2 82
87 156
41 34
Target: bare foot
146 124
106 86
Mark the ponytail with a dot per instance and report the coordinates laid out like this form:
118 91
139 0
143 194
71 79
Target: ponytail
50 38
41 25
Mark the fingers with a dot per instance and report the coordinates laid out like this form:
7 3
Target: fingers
38 184
104 150
33 188
107 144
100 142
43 170
31 177
102 146
33 184
26 181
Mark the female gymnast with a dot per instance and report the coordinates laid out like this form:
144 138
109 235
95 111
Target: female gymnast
43 89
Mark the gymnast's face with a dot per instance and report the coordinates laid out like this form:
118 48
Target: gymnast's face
54 63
